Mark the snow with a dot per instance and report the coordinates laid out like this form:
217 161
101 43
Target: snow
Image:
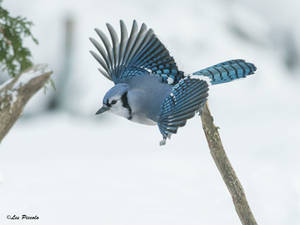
5 83
66 167
70 169
32 73
13 93
22 80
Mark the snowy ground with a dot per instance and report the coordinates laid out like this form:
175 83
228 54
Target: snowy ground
88 170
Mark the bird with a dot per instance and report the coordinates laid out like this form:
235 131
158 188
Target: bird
148 86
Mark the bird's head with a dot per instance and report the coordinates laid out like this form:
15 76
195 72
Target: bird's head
115 101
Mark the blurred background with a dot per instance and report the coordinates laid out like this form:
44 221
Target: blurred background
68 166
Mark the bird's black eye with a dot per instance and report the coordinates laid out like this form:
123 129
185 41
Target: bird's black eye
113 102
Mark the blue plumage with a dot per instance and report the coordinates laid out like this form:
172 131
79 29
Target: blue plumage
227 71
186 98
149 87
140 52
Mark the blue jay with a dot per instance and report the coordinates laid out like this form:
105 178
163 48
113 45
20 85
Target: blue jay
149 87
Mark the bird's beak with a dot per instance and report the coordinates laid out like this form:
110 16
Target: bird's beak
102 110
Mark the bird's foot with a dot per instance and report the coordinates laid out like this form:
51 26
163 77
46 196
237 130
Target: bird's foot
162 142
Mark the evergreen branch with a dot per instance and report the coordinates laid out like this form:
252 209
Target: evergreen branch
14 56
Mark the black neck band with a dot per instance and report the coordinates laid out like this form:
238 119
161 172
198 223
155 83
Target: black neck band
126 105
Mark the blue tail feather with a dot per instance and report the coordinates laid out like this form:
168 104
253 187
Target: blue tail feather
227 71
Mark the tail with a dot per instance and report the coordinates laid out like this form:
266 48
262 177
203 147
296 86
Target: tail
227 71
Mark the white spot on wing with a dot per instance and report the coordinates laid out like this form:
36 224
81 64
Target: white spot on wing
201 77
170 80
173 96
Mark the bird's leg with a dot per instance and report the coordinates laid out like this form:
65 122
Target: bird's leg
162 142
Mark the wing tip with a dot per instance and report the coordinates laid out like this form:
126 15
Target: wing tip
92 40
109 27
92 53
122 23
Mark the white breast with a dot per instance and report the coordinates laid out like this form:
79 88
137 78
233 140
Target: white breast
119 110
139 118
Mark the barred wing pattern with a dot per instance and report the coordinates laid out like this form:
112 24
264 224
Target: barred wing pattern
186 98
139 53
227 71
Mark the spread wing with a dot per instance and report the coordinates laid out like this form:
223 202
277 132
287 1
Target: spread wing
187 97
139 53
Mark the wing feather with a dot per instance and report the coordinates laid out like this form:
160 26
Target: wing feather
139 53
187 97
115 41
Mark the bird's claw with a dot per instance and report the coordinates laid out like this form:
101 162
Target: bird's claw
162 142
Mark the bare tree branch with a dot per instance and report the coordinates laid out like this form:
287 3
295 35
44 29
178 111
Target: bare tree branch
232 182
15 93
